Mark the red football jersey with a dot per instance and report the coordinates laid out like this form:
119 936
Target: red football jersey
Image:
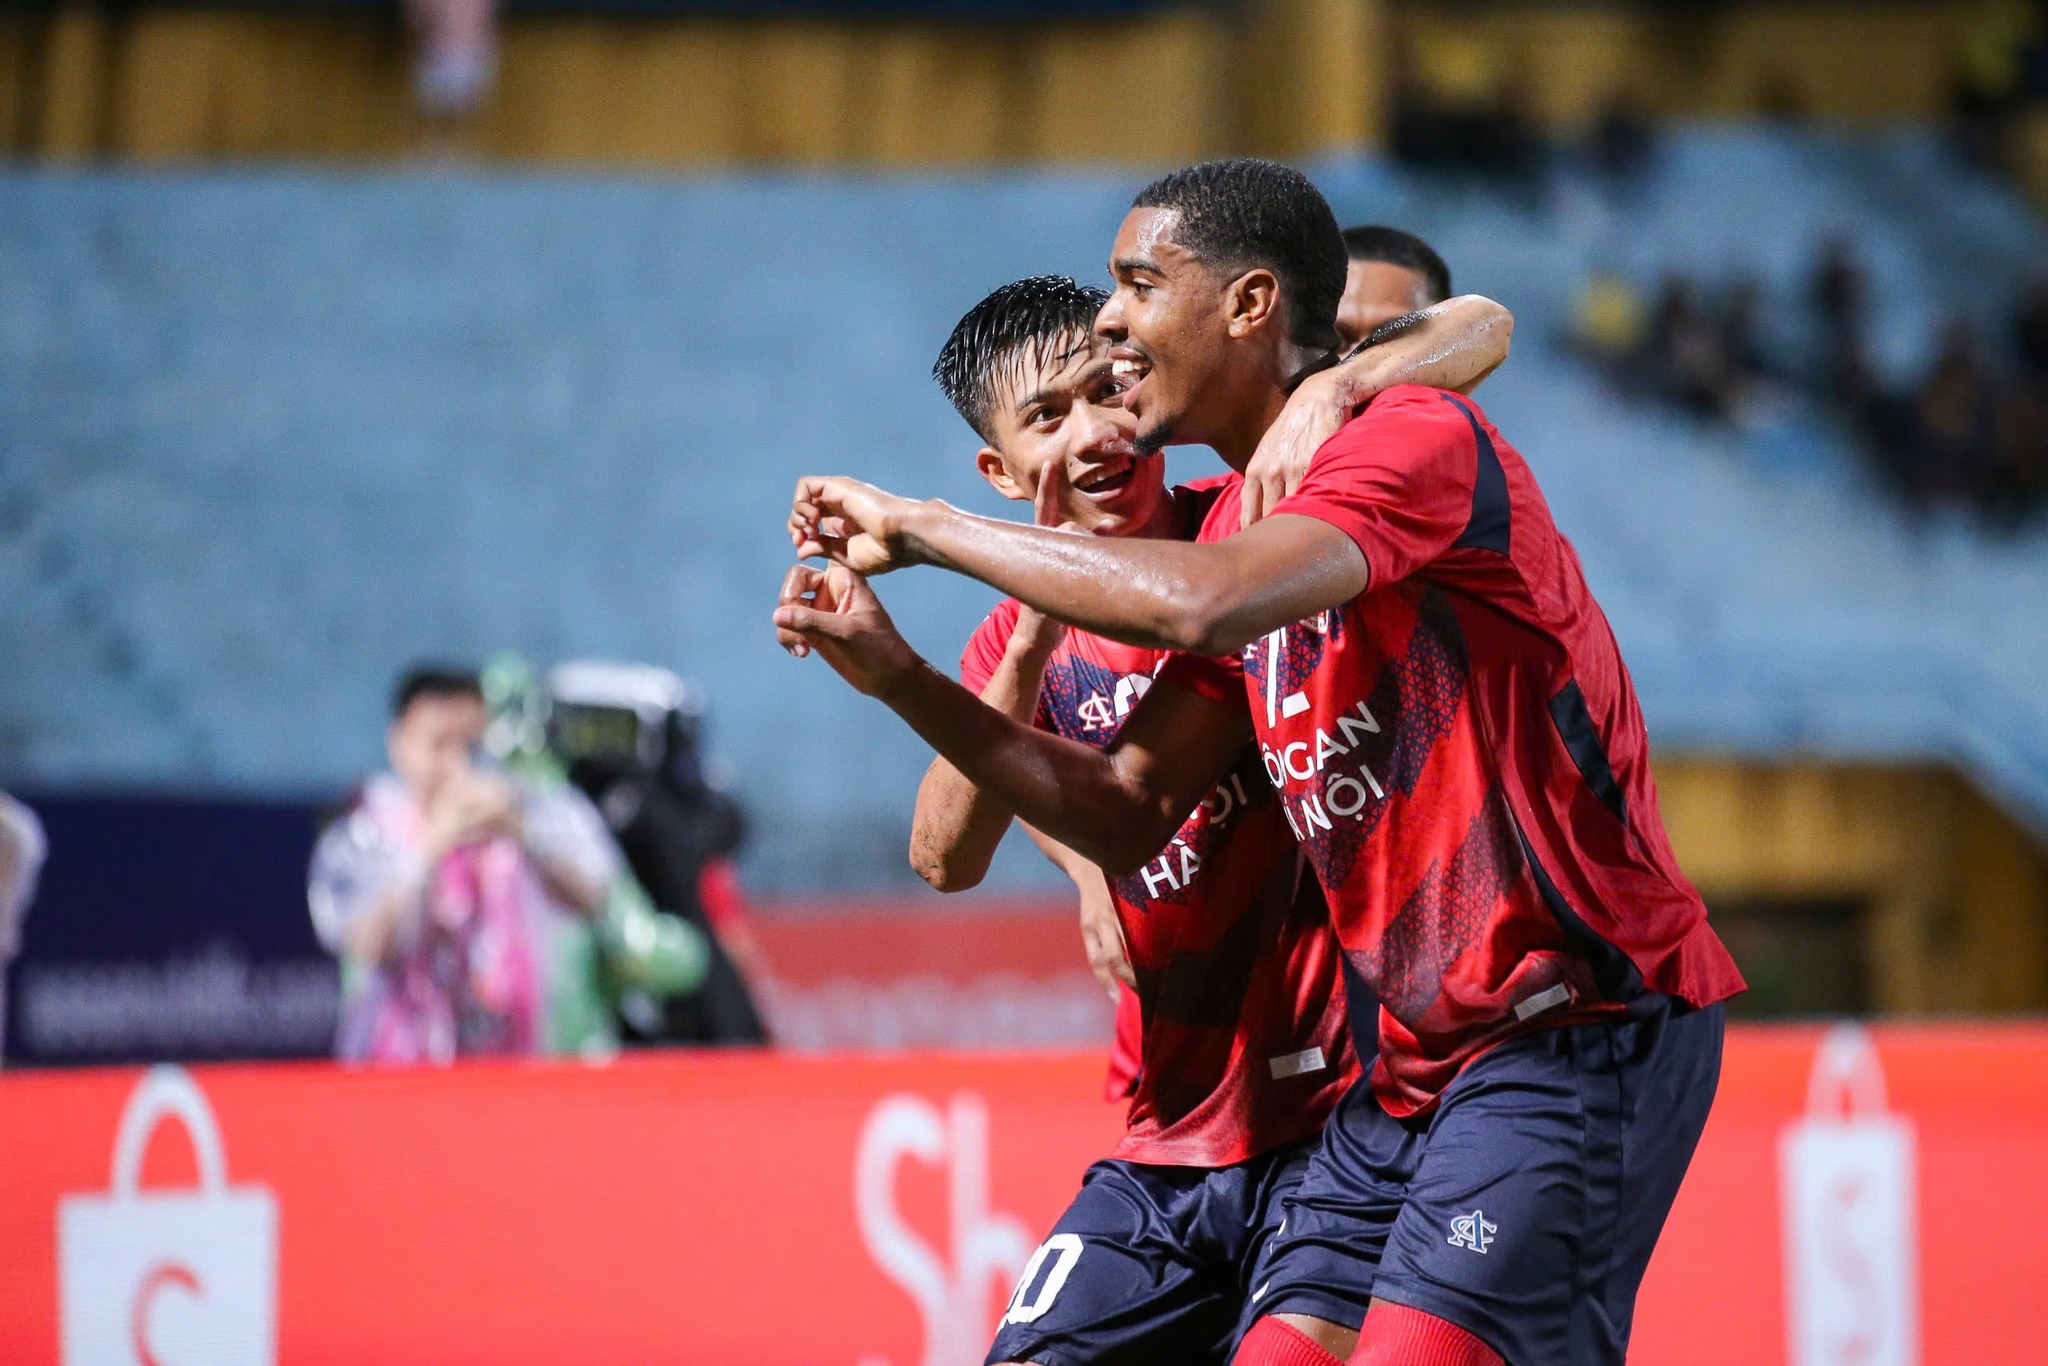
1460 753
1126 1049
1244 1039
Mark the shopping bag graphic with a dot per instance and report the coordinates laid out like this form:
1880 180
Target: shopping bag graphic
1849 1185
168 1277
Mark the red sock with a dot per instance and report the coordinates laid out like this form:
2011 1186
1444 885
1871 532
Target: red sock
1273 1343
1395 1335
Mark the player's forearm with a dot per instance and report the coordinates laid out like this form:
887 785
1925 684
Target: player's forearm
1195 598
1074 793
1138 590
1451 345
957 825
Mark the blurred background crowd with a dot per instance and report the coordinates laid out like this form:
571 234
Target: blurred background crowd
340 336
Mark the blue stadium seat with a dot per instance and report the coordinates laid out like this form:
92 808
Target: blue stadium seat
266 437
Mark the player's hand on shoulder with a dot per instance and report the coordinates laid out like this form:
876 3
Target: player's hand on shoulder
834 612
1312 415
850 523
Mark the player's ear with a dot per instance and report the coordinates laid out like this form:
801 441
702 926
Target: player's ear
990 462
1252 301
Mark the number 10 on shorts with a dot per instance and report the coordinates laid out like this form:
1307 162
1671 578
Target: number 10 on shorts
1065 1250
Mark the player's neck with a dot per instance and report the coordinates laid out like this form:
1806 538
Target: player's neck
1165 522
1240 436
1259 403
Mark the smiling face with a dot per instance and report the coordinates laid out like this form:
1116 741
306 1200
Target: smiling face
1167 324
1064 405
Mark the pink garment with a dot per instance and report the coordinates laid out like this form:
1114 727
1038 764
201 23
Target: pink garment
468 982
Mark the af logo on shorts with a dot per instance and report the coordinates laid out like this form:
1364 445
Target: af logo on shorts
1472 1231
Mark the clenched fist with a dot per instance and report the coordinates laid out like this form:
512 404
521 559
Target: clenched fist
849 523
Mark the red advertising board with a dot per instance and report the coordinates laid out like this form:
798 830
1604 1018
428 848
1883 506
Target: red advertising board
1858 1199
898 974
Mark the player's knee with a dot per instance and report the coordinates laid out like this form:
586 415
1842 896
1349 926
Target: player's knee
1293 1341
1395 1335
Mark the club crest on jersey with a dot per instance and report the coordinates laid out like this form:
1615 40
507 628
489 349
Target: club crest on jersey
1473 1231
1104 711
1086 700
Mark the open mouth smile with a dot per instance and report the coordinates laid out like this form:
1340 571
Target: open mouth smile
1130 366
1106 483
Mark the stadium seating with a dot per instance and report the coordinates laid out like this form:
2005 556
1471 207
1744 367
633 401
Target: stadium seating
266 437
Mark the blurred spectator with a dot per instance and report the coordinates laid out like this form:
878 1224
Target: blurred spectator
1390 274
437 886
1779 100
2018 487
1953 411
455 54
1965 433
1999 71
1623 144
1453 112
1840 299
22 850
1969 430
1688 357
1741 334
2030 331
1607 318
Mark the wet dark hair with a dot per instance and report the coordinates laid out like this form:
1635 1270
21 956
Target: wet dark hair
1397 248
1028 321
433 680
1246 212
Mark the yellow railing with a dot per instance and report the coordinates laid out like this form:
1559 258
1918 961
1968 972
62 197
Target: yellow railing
1281 77
1171 87
1954 892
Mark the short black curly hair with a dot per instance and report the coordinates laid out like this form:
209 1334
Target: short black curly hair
1248 212
1375 242
1026 320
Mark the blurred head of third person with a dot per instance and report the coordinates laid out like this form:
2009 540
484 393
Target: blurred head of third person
1390 274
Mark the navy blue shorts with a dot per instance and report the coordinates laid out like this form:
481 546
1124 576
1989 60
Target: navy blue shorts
1525 1207
1150 1264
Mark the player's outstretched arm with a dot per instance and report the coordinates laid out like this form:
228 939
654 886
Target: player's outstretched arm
956 826
1452 345
1116 807
1208 599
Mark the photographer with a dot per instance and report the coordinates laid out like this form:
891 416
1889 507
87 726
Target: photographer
631 736
439 885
